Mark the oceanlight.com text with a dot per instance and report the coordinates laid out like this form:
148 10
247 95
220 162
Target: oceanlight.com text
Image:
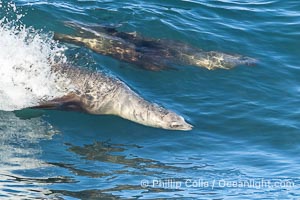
214 184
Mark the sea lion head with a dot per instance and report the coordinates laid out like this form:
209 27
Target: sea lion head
173 121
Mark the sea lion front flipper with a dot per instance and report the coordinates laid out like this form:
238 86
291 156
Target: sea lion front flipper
156 68
69 102
28 113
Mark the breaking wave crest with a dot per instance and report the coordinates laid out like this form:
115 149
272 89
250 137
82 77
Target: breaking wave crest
26 57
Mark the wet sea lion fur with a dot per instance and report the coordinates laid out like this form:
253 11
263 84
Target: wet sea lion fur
147 53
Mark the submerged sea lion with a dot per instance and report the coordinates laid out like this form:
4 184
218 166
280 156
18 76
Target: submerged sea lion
152 54
96 93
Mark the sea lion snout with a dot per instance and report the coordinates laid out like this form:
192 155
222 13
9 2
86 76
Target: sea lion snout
176 122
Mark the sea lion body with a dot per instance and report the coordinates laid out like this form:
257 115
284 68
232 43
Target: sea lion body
152 54
96 93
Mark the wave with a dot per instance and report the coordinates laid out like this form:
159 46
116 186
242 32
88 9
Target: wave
26 60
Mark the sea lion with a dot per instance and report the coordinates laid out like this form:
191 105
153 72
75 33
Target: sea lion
96 93
151 54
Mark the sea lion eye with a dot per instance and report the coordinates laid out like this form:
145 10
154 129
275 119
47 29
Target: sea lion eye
175 125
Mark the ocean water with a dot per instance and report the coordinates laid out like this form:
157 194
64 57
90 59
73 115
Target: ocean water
246 138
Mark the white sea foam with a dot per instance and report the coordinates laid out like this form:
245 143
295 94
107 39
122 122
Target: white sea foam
26 56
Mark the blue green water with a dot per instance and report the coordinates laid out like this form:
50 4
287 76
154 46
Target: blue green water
246 140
